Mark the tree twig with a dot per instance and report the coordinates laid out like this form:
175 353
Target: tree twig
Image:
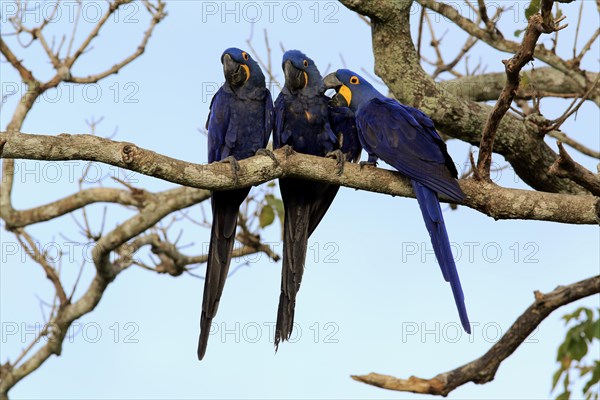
566 167
538 24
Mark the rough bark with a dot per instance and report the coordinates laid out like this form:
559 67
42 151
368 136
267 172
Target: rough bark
488 198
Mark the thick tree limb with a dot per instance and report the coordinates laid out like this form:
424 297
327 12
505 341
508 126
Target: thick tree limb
545 81
492 200
398 64
483 369
566 167
55 209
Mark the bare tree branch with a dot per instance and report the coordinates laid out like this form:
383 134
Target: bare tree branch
566 167
574 144
157 16
32 250
25 74
537 25
483 369
500 43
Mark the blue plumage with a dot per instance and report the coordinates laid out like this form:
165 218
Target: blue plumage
405 138
302 121
240 123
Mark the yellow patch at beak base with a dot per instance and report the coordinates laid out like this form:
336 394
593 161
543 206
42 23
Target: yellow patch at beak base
305 78
247 69
346 93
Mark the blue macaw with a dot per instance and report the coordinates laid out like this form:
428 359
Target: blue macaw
405 138
303 121
239 125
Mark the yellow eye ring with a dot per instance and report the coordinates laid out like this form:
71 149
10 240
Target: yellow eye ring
354 80
305 63
245 55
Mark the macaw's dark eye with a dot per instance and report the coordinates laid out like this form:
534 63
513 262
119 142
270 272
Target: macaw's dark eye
354 80
305 63
245 55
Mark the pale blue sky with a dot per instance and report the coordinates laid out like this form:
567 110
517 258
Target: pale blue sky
372 298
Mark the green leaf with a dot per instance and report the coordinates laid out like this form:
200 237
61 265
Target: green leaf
578 349
556 377
267 216
277 204
589 314
566 395
524 82
534 7
594 379
589 329
575 314
566 382
518 32
562 350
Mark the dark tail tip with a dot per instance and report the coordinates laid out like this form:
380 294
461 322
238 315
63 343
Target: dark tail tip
203 339
467 328
464 320
202 342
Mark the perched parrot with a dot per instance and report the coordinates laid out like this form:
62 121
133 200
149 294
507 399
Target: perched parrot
405 138
303 121
239 125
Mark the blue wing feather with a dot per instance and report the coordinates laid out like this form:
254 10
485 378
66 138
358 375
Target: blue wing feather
278 141
343 124
405 138
217 124
269 118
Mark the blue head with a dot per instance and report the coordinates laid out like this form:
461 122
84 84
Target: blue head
241 71
352 89
300 72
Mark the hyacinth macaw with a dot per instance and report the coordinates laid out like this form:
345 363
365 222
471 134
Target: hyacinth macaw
239 125
303 121
405 138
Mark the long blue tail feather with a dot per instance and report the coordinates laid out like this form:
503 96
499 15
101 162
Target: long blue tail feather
434 220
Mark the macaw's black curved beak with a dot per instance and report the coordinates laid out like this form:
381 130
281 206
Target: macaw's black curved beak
235 73
332 82
343 96
295 78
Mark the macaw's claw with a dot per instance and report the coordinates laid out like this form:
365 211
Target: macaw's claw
287 150
340 159
235 167
268 153
370 164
